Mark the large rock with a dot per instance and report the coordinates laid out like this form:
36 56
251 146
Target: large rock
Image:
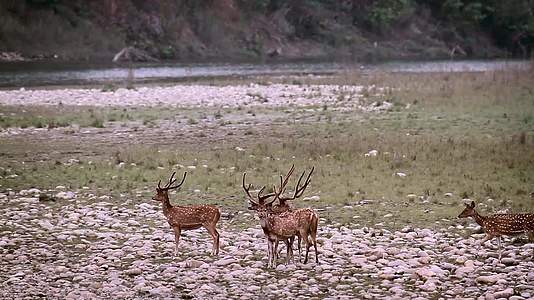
489 279
225 262
504 294
65 195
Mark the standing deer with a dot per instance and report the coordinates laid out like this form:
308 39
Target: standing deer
497 225
188 217
284 226
283 206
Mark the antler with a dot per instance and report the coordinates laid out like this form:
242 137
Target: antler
283 183
260 198
172 180
299 190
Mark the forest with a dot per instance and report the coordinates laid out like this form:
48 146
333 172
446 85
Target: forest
191 30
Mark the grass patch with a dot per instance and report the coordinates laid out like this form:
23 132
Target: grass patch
84 116
470 140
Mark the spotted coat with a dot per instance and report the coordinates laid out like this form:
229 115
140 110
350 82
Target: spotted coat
502 224
190 217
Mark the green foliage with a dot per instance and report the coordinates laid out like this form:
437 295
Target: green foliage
511 22
383 14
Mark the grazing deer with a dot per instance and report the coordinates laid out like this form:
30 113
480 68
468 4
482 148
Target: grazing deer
188 217
284 226
497 225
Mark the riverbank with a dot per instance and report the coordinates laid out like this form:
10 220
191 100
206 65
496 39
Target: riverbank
112 76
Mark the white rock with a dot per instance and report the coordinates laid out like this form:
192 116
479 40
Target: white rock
65 195
312 198
225 261
371 153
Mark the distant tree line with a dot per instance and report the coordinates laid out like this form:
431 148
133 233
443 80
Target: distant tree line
509 22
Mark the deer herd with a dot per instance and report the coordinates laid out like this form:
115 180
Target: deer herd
280 221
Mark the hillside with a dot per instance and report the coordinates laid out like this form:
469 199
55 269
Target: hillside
191 30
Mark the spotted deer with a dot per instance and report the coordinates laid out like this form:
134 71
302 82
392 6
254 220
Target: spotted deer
283 205
188 217
279 208
497 225
286 225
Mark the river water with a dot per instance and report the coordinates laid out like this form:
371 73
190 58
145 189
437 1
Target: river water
44 74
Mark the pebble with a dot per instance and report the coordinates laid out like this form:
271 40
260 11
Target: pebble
197 95
489 279
93 248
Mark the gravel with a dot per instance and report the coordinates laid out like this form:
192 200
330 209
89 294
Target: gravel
201 96
83 247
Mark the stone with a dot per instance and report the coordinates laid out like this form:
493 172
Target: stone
133 271
428 286
225 261
508 261
488 279
65 195
504 293
160 291
83 295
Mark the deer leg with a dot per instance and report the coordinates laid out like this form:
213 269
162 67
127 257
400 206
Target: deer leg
304 235
177 232
271 253
268 253
314 242
307 250
289 250
291 241
298 246
215 235
276 251
499 244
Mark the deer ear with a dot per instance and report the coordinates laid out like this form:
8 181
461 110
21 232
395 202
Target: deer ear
472 205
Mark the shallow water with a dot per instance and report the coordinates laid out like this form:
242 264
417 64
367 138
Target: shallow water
49 73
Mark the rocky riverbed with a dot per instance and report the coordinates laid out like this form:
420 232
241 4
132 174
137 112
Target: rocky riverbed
273 95
77 245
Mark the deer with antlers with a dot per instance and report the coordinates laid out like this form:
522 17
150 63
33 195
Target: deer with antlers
286 225
497 225
188 217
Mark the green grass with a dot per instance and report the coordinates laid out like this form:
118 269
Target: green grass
84 116
469 135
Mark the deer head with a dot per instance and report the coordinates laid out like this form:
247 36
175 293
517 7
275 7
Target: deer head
260 202
469 210
162 193
263 203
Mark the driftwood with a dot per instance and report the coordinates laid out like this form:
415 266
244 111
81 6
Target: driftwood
131 54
